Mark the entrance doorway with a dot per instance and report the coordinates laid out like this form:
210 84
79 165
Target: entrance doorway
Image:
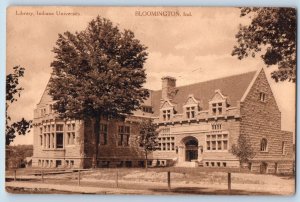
191 149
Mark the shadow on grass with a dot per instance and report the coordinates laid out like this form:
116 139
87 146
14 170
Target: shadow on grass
207 191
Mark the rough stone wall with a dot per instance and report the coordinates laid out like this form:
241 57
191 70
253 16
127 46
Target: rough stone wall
199 131
68 153
262 119
112 152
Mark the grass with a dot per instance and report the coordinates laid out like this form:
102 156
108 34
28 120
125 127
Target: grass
197 180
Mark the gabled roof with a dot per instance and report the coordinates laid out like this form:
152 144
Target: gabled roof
233 87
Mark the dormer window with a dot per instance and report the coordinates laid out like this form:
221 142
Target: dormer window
217 108
190 112
166 115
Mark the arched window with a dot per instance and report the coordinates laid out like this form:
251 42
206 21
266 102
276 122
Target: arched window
263 144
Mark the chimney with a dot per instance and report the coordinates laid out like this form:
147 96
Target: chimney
168 87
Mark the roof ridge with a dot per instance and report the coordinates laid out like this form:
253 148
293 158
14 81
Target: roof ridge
226 77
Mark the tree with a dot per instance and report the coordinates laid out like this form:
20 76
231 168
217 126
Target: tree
13 91
97 73
243 150
147 138
272 32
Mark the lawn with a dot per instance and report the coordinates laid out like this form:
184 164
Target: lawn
154 180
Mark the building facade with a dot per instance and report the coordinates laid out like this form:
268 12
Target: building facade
198 124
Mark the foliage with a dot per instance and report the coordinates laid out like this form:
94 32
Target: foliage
13 91
147 138
17 155
243 150
272 30
98 72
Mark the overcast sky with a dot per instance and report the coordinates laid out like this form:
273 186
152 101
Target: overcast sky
191 48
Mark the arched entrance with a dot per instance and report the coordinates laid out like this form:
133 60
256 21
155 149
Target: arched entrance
191 149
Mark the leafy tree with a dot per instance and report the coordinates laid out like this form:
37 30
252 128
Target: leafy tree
16 155
272 32
243 150
147 138
13 91
98 72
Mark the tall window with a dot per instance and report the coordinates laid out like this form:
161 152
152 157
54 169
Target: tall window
264 144
41 140
103 134
262 97
59 140
217 108
124 133
217 142
190 112
59 136
166 115
70 134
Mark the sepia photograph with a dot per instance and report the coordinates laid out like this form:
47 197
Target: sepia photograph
150 100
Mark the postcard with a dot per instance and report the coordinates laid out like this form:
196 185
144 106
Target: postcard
150 100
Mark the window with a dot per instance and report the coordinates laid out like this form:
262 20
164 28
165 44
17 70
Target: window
217 108
262 97
218 142
216 126
59 127
59 140
147 109
124 133
190 112
166 115
165 141
43 111
71 138
263 144
41 140
70 132
283 148
49 141
50 109
103 134
58 163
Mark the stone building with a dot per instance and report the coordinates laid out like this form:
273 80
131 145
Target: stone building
198 124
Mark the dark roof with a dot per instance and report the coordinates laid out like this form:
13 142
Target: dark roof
233 87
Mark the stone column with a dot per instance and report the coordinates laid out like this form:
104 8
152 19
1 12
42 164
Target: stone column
181 156
200 153
47 141
54 140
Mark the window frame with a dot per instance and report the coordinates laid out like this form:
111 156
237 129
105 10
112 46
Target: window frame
264 147
212 141
121 134
262 96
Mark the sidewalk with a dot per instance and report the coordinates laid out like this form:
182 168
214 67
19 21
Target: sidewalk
156 188
77 189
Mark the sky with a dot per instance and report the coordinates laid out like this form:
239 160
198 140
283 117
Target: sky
190 48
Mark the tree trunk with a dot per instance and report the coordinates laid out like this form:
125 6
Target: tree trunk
146 163
96 140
